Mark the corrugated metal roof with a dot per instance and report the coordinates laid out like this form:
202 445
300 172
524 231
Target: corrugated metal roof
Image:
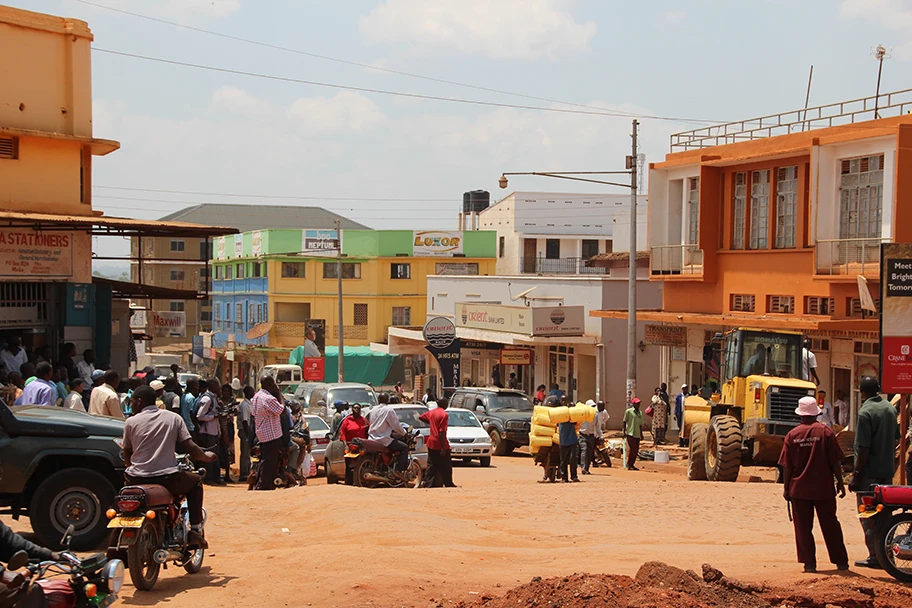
245 218
103 224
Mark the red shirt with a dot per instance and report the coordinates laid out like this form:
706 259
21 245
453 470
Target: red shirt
353 427
439 421
811 450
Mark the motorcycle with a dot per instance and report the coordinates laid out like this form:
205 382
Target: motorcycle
891 508
93 582
150 528
375 464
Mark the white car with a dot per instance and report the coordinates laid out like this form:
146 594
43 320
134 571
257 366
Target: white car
468 439
318 437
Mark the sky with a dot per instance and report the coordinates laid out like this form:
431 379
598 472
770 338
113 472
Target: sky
192 130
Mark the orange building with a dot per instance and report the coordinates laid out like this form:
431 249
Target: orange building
750 227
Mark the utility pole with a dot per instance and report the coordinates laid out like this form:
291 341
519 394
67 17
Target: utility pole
880 53
340 324
632 279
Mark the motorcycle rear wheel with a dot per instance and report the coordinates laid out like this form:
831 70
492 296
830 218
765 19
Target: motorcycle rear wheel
144 569
898 526
415 474
365 465
195 563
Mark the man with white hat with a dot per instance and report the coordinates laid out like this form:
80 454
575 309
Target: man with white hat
810 462
587 441
159 387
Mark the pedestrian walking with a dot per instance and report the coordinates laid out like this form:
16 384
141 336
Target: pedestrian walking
810 462
679 413
188 405
633 432
207 414
440 462
243 417
587 435
659 417
227 412
267 414
569 448
540 394
875 443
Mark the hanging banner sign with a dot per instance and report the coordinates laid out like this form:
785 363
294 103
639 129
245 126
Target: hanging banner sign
29 253
896 318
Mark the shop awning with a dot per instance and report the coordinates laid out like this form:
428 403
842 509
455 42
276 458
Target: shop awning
805 323
124 289
103 225
497 337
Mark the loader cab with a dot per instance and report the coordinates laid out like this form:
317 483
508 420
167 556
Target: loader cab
761 353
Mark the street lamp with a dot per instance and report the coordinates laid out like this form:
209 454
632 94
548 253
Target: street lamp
631 280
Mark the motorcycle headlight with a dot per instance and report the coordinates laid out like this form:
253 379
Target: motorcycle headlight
112 575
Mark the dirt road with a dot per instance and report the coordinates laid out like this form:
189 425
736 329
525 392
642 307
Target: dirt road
340 546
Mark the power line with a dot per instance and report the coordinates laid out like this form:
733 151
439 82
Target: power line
355 63
315 83
271 196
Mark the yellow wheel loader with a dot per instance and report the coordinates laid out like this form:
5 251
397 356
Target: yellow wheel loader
747 420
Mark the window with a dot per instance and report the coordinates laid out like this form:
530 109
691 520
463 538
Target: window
350 270
786 206
292 270
861 197
759 217
205 250
257 269
251 314
238 313
360 314
205 315
402 315
259 313
9 148
742 302
217 312
502 247
177 275
816 305
204 273
780 304
240 270
552 249
85 175
867 348
589 248
400 271
177 245
854 309
227 312
693 211
738 214
228 270
177 306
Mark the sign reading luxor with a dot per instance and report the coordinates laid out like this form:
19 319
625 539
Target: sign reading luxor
896 318
28 253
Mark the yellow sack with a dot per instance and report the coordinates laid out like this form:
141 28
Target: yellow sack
541 419
560 414
541 409
539 442
556 439
542 431
590 414
578 412
533 449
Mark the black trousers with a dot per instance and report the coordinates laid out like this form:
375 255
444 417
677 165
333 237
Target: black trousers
182 483
569 455
402 461
211 442
269 464
439 470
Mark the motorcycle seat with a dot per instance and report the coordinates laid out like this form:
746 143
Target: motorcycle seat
371 445
154 495
896 495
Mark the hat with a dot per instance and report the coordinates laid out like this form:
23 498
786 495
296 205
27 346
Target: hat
340 403
635 400
807 406
139 375
236 384
98 373
156 385
590 403
683 386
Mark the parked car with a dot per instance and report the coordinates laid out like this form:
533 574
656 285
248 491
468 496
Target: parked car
506 414
285 375
468 439
319 437
334 457
302 392
182 377
352 392
61 467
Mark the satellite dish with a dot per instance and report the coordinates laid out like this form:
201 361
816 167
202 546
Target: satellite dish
524 294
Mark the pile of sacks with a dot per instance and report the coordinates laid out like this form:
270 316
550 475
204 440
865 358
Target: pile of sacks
543 433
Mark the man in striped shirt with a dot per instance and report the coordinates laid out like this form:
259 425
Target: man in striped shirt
267 419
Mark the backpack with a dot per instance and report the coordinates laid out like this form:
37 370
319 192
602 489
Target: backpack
195 410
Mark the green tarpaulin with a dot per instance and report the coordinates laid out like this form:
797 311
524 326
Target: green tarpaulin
361 364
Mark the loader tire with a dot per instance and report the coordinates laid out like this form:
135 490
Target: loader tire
696 464
723 449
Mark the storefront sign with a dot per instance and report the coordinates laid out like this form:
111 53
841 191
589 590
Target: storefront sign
11 316
220 248
256 243
29 253
314 369
197 346
896 318
516 356
168 324
558 320
432 243
666 335
494 317
320 240
440 334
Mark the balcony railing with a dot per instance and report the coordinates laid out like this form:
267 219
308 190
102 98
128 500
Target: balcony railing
850 257
541 265
677 259
288 330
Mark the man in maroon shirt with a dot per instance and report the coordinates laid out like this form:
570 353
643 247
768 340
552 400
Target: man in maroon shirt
810 461
440 464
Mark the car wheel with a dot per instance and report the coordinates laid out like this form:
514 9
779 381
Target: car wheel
485 461
499 443
73 496
331 478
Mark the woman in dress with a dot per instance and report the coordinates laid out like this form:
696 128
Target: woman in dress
659 417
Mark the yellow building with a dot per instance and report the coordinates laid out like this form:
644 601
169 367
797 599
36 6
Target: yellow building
281 278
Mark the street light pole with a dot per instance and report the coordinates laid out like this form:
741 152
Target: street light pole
340 325
631 280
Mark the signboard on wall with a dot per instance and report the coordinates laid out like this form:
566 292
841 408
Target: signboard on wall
896 318
220 248
238 245
436 243
558 320
256 243
168 324
666 335
494 317
516 356
314 369
319 240
440 334
30 253
457 268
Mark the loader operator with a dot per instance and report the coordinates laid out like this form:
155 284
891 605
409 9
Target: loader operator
756 365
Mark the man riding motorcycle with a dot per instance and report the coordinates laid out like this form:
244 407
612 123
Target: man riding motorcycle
151 438
386 428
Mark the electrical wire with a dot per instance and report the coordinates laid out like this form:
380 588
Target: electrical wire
363 65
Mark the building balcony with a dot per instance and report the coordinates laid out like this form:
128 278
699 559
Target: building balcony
676 260
541 265
849 257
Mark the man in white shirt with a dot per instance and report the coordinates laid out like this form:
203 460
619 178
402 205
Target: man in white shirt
104 400
827 415
74 399
809 363
842 409
13 357
601 420
85 367
385 428
587 441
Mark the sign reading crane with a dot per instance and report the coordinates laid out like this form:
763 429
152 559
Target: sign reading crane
896 318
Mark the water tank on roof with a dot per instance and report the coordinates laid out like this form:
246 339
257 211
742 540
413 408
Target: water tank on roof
475 201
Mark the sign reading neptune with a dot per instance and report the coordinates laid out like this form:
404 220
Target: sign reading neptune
436 243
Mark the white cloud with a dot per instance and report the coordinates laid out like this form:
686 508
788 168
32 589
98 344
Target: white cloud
182 11
346 111
502 29
674 16
892 15
240 102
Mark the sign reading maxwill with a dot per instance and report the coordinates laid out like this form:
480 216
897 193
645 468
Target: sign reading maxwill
29 253
896 318
436 243
168 324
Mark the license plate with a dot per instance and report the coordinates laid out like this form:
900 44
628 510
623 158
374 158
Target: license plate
461 450
127 522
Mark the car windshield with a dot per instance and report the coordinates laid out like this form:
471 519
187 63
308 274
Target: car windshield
352 394
463 419
316 423
509 402
409 416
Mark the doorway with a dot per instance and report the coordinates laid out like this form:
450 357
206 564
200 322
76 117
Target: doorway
530 252
841 380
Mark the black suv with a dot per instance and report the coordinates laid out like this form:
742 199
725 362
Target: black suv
506 414
60 467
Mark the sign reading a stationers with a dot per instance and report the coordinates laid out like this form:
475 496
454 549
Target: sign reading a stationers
31 253
896 318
